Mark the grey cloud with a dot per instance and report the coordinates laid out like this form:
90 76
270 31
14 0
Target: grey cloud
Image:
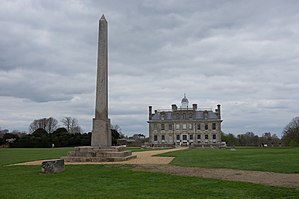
43 87
242 55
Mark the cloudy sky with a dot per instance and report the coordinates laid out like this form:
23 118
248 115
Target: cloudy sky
243 55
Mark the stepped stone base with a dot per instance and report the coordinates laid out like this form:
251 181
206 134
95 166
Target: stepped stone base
99 154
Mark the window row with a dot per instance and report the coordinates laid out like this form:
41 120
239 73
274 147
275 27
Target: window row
179 116
189 126
185 137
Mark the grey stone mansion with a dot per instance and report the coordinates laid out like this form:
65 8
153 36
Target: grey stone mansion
184 125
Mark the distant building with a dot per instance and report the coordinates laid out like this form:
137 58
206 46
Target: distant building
189 126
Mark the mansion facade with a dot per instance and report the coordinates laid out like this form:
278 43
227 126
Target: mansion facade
185 126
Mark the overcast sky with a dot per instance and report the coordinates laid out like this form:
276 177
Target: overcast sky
243 55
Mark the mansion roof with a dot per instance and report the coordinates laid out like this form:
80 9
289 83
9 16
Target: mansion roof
184 113
196 115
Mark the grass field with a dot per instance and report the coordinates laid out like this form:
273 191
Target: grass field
94 181
16 155
281 160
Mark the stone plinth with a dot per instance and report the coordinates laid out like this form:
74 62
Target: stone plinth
99 154
53 166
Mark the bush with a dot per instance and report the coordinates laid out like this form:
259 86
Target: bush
293 143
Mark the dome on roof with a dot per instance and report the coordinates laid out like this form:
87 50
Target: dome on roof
185 102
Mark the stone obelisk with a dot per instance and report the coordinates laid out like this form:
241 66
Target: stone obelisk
101 133
100 149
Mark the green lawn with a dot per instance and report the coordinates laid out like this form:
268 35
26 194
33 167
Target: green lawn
16 155
281 160
95 181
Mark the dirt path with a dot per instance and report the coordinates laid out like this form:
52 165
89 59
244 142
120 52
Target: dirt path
146 161
258 177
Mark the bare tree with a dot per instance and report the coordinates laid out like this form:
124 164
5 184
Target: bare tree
77 129
71 124
48 124
67 123
117 128
74 125
51 125
290 135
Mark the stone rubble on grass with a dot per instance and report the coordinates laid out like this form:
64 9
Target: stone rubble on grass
52 166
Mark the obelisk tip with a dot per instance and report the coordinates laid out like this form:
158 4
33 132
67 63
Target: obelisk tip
103 18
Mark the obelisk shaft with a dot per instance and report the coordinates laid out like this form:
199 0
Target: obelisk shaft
101 111
101 133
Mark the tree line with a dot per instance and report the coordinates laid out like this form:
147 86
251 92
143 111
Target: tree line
250 139
40 138
290 137
45 133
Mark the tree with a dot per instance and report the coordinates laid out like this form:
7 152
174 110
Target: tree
117 128
67 123
116 133
115 136
40 132
276 140
77 129
248 139
51 125
60 131
10 137
269 139
48 124
71 124
230 139
290 134
2 141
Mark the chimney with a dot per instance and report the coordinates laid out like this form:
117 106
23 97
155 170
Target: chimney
150 112
194 107
206 115
174 107
219 113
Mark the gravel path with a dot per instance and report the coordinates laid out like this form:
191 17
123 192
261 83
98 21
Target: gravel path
146 161
258 177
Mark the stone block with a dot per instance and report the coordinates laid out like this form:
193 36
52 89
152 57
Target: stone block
99 154
53 166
